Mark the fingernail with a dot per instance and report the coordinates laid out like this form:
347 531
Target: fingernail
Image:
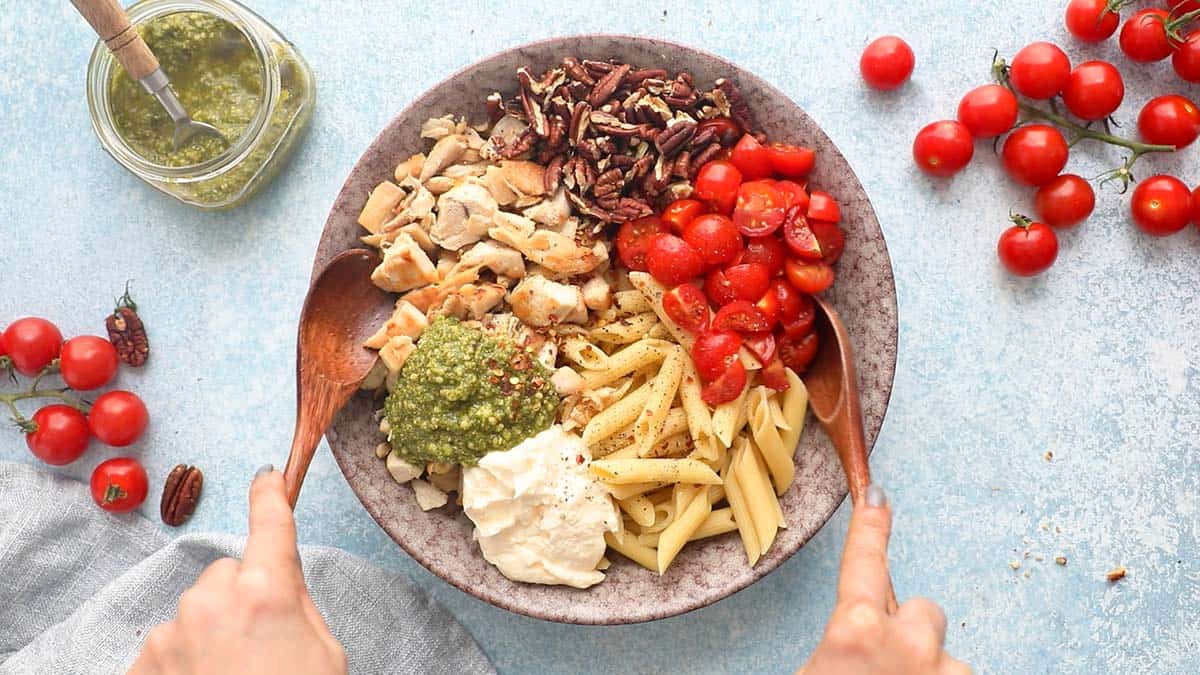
264 469
875 496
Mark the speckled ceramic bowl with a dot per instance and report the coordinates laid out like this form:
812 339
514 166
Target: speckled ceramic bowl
704 572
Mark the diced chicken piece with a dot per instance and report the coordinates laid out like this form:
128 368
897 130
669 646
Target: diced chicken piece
474 140
404 266
379 206
428 497
463 215
493 180
479 299
420 236
405 320
552 211
566 381
438 128
501 260
557 253
431 297
439 185
410 168
506 132
445 481
470 170
401 471
597 294
541 302
446 263
445 152
396 352
524 177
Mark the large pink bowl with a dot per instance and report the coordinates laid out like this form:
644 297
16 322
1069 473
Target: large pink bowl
707 571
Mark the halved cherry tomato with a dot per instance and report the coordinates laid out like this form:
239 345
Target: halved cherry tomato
725 128
680 212
714 352
717 185
760 208
740 316
749 280
794 194
822 206
830 237
718 288
801 323
767 251
768 304
799 236
634 238
673 261
793 161
773 375
688 307
791 302
811 278
752 158
762 345
726 387
797 353
715 238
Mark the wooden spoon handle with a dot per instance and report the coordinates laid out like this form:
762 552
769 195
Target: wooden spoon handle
320 400
110 22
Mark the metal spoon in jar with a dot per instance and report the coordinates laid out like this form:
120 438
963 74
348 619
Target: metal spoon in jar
110 22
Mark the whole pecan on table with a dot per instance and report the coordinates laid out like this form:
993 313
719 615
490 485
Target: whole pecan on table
181 494
620 139
127 333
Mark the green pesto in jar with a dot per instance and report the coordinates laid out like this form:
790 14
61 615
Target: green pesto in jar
463 394
214 71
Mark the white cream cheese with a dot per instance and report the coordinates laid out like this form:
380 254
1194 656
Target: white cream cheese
539 515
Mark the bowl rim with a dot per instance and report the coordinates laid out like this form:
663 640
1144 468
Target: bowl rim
765 567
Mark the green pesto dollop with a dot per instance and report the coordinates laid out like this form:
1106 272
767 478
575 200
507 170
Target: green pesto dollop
463 394
216 74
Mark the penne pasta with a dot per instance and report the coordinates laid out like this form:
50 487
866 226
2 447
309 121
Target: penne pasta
579 350
664 513
627 471
766 436
640 510
699 419
650 423
631 490
795 407
625 330
725 419
642 555
631 302
741 514
616 416
626 361
719 521
759 497
681 529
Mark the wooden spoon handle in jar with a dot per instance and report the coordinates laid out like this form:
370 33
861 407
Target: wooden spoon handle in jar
110 22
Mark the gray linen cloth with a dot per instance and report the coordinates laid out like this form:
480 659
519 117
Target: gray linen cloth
80 589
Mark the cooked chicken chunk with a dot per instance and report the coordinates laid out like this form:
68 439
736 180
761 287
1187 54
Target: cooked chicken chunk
396 352
597 294
473 301
541 302
410 168
552 211
501 260
463 216
444 153
557 253
379 206
404 266
524 177
406 320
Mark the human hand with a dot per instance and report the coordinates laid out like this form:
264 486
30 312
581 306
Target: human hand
862 637
252 615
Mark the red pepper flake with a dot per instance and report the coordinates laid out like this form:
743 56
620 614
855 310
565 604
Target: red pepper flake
579 459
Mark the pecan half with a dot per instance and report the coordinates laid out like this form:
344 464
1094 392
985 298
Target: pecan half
671 140
553 173
181 494
608 85
127 333
739 110
607 183
576 71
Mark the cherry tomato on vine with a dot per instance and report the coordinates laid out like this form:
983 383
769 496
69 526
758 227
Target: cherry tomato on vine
1034 154
887 63
1169 120
760 208
1027 248
811 278
752 158
1186 59
1095 90
724 127
791 161
943 148
1065 201
748 280
118 418
686 305
31 343
681 212
822 206
797 352
87 362
715 238
61 436
1144 36
119 485
1040 70
794 194
740 316
633 240
714 352
726 387
988 111
717 185
1091 20
1161 205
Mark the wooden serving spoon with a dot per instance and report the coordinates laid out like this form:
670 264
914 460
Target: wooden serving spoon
342 310
832 382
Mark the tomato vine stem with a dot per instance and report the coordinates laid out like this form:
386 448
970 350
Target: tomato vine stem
34 392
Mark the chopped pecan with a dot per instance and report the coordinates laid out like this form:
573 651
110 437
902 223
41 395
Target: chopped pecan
597 68
608 85
629 209
682 165
576 71
181 494
533 109
637 76
703 137
639 168
703 156
738 109
580 119
495 106
671 140
553 174
607 183
522 145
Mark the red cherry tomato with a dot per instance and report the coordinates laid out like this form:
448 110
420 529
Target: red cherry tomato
714 352
797 352
682 212
803 323
1035 154
715 238
822 206
831 239
1169 120
119 485
811 278
774 375
752 158
1029 249
887 63
724 127
726 387
118 418
718 289
1040 70
1144 36
767 251
749 280
799 237
791 161
1161 205
61 435
1186 59
1065 201
768 305
988 111
794 194
762 345
740 316
760 207
1091 20
88 362
943 148
792 303
673 261
1179 7
31 344
1094 91
717 185
633 240
1196 206
687 306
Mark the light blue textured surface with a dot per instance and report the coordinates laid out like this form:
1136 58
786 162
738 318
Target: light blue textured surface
1097 361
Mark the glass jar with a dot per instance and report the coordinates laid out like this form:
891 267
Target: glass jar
252 159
